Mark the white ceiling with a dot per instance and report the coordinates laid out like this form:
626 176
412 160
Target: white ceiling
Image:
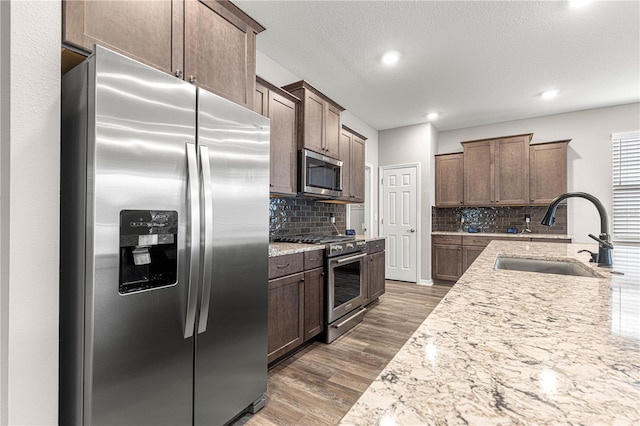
474 62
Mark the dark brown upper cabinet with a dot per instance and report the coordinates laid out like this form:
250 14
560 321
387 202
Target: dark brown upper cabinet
280 107
209 43
352 153
496 171
151 32
449 180
319 122
547 171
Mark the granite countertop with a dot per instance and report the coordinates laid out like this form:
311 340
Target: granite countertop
504 234
280 249
509 347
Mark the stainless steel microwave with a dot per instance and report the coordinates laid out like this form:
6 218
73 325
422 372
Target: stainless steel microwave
320 176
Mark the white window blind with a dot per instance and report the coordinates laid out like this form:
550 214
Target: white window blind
626 187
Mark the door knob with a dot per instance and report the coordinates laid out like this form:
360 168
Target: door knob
412 230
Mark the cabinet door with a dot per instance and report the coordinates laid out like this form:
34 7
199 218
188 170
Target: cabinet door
148 31
346 139
282 113
478 173
449 180
469 254
220 51
547 172
286 315
511 168
446 262
376 275
313 119
313 303
261 100
357 169
332 129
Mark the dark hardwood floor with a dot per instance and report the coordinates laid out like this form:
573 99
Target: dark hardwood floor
320 383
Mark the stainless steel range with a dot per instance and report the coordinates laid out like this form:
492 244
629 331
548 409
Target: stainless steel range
344 265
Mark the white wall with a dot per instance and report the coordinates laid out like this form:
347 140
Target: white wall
279 76
414 144
29 211
588 158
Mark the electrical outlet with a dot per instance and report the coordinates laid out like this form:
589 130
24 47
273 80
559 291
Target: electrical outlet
527 217
332 218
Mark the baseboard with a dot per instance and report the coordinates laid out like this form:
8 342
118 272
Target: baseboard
425 282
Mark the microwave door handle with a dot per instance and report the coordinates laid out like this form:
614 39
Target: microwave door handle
207 268
194 240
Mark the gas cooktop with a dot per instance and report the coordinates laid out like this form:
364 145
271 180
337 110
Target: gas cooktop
313 239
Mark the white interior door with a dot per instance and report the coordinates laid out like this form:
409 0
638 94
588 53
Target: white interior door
399 221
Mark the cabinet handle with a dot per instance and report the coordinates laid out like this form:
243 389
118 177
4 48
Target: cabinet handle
193 79
178 73
282 266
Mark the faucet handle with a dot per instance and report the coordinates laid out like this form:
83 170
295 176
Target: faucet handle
594 256
603 243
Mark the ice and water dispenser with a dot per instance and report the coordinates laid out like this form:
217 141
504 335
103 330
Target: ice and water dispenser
148 249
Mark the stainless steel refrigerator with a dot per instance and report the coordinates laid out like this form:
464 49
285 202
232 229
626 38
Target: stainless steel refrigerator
164 230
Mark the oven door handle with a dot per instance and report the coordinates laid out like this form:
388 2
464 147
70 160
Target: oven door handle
350 258
355 314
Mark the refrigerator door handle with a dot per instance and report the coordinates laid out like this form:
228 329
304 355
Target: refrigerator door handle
207 233
194 240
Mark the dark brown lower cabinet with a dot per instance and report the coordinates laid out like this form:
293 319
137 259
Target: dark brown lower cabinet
295 302
447 262
313 303
286 315
376 275
452 255
373 282
469 254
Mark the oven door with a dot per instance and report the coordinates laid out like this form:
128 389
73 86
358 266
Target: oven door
345 276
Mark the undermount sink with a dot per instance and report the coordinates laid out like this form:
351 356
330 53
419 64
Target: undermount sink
543 266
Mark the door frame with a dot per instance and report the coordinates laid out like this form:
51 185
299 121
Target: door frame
381 171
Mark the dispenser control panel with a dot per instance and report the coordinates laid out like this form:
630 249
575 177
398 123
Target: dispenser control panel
148 249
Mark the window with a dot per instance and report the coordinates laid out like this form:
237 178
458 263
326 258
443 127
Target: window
626 187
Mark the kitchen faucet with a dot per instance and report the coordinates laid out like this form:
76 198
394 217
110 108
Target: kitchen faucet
604 258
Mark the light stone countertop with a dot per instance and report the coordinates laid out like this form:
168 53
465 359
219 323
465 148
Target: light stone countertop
513 348
280 249
504 234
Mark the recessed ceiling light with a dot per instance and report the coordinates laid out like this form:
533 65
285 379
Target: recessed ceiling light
549 94
390 58
432 116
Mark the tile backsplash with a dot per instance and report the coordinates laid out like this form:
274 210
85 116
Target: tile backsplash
497 219
300 216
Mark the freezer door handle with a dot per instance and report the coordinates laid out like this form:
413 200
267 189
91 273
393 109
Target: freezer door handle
207 236
194 239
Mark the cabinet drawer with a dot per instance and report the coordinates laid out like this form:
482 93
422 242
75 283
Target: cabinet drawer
550 240
375 246
280 266
474 240
447 239
313 259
